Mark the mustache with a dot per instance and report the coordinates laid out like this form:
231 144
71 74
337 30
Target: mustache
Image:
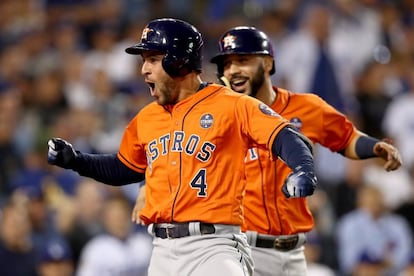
236 76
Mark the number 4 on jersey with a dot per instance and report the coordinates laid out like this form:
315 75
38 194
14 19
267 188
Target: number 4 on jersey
199 183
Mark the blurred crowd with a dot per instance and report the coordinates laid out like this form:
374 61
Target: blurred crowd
64 73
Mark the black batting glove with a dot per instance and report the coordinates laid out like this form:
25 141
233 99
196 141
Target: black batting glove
61 153
299 183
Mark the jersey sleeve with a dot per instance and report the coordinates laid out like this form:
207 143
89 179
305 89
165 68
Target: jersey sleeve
337 130
259 122
131 151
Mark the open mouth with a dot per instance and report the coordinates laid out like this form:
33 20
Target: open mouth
238 84
151 86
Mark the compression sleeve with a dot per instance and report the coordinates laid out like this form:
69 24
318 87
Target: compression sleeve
293 150
106 168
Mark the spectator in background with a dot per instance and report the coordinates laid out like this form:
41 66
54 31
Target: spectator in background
372 97
399 120
313 253
17 253
10 161
50 39
368 265
119 251
80 216
372 235
409 269
308 62
396 187
55 259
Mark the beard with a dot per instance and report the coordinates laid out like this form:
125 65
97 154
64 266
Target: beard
257 81
167 93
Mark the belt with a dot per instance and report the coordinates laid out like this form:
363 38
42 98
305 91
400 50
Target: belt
180 230
282 242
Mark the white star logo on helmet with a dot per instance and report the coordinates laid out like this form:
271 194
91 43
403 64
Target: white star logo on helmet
145 33
228 41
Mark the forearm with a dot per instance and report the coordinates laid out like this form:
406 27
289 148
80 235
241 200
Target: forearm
293 150
105 168
361 147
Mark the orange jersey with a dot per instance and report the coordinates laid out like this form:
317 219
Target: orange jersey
193 155
266 208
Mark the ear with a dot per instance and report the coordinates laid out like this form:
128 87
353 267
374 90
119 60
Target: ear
268 63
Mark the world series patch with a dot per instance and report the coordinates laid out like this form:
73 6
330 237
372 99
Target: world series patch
206 121
267 110
296 122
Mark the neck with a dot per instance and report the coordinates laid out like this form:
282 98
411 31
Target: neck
266 94
189 85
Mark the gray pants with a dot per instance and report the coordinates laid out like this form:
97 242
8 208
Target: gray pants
271 262
224 253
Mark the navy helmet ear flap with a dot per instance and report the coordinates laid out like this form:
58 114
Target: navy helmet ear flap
175 66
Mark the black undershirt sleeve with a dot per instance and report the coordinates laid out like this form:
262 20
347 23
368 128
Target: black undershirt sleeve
106 168
293 150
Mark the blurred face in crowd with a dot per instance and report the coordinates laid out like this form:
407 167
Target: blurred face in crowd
163 88
371 199
15 229
58 268
246 73
116 218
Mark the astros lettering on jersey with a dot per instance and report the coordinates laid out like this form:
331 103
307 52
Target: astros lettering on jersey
192 132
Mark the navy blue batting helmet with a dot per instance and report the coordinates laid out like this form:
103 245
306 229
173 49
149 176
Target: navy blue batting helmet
180 41
243 40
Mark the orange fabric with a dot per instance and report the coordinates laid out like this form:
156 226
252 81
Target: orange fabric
195 153
266 208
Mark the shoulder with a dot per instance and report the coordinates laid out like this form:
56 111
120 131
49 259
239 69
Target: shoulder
221 90
150 108
303 98
308 97
222 94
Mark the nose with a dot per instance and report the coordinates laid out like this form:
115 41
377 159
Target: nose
233 68
145 68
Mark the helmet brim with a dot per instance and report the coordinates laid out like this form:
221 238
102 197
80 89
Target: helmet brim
141 47
217 58
135 50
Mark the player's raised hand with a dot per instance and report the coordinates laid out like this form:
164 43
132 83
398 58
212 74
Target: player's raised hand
386 151
60 153
299 183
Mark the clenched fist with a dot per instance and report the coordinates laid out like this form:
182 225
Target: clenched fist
60 153
299 183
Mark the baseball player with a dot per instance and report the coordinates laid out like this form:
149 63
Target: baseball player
189 145
276 225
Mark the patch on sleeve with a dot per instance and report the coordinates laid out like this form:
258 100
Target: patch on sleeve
267 110
296 122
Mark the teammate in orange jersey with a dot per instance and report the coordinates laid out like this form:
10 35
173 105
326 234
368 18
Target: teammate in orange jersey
189 145
275 225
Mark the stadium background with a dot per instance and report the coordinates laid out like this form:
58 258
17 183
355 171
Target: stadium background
64 72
